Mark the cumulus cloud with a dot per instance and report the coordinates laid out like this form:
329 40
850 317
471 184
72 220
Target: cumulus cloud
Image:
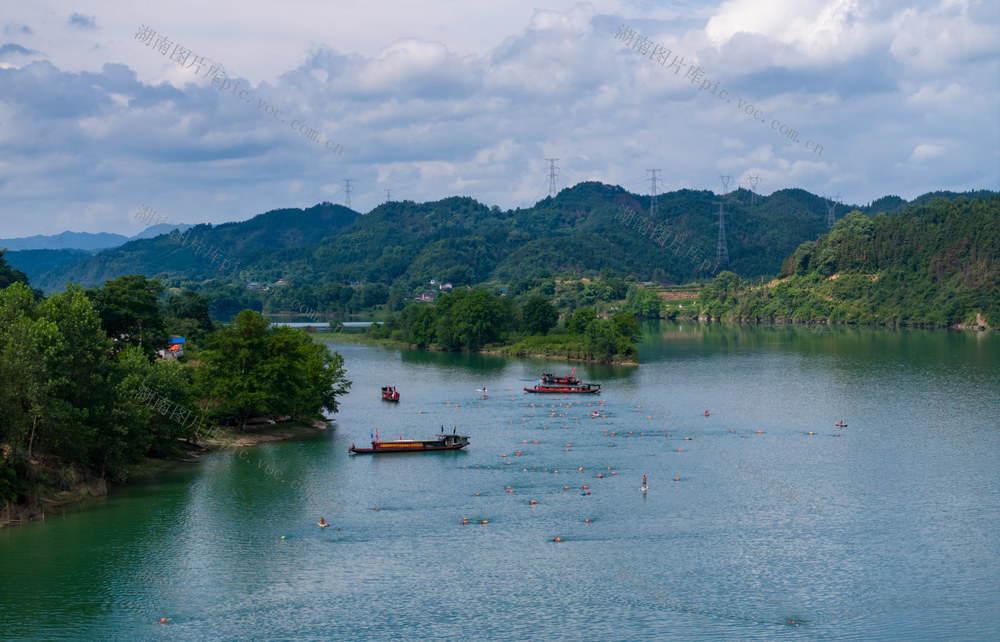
826 96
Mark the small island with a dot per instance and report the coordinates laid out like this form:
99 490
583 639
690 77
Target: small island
481 321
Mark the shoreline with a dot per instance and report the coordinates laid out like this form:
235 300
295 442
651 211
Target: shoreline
500 351
47 503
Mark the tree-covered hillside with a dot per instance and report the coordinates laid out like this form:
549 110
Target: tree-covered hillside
931 264
205 252
36 262
331 260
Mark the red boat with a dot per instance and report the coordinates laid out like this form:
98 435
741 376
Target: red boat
442 442
569 380
583 388
389 393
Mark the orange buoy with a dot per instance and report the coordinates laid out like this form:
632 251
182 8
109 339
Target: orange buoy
163 620
585 487
558 539
600 476
587 520
533 502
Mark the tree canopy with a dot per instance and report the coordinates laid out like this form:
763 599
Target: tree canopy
250 368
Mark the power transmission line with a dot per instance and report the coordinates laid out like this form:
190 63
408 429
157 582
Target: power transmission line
721 247
831 216
347 192
725 178
653 205
752 181
552 176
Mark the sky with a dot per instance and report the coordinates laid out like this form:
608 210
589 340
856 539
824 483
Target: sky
216 111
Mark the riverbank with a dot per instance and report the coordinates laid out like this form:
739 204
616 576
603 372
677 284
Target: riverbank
538 350
223 437
82 488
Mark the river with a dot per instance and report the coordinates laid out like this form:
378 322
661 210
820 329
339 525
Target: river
769 523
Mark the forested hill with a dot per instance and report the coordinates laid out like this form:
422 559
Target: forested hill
405 244
267 239
931 264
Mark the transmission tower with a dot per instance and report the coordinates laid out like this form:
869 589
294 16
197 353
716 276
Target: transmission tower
831 216
725 178
752 181
552 176
653 206
347 192
388 195
721 248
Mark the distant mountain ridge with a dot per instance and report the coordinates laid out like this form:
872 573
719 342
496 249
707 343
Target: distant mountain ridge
205 248
404 244
34 255
87 241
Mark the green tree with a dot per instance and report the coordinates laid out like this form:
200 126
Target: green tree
130 312
479 318
601 340
186 315
581 320
422 332
24 382
236 373
78 364
250 369
538 316
626 326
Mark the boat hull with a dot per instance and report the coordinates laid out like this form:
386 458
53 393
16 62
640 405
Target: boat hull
445 442
415 449
563 390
